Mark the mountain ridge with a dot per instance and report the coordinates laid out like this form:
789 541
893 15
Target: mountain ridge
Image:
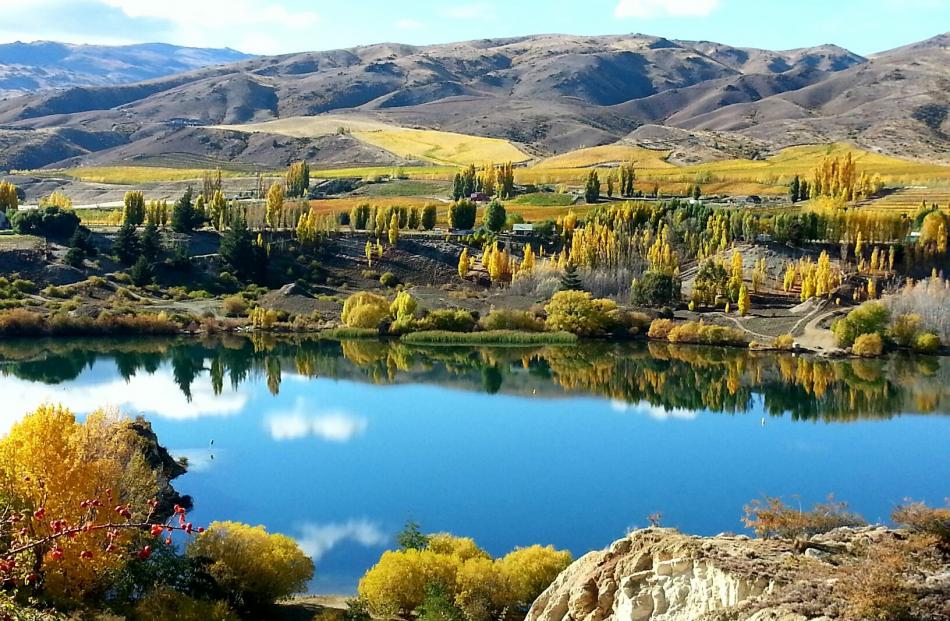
551 93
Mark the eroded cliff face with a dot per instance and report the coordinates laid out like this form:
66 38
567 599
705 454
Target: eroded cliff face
663 575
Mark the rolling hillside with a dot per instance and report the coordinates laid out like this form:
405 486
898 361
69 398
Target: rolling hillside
548 94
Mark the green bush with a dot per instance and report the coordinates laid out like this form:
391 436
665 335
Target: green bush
45 221
462 214
389 279
927 343
868 345
869 318
234 306
504 319
448 320
655 289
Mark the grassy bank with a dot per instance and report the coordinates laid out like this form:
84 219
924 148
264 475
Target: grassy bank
491 337
350 334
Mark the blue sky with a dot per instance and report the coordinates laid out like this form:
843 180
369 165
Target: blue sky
279 26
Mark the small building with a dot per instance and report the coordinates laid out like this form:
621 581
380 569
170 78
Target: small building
480 197
522 229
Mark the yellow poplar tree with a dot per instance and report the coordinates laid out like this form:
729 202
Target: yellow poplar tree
465 263
274 206
744 300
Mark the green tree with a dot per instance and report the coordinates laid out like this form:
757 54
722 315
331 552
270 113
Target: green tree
141 273
655 289
150 242
570 280
592 188
794 190
462 215
184 216
411 537
495 216
238 251
429 214
126 244
697 192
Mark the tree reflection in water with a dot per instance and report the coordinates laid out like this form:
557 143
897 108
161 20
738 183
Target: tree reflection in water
725 380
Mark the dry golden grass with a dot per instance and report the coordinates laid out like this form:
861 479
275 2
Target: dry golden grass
607 154
132 175
443 147
310 126
909 200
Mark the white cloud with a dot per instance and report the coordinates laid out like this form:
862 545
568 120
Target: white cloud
409 24
154 394
329 425
665 8
215 13
318 539
478 10
653 411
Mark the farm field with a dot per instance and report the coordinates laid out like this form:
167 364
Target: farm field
908 200
607 154
443 147
310 126
131 175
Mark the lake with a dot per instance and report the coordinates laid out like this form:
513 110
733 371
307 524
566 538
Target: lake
339 444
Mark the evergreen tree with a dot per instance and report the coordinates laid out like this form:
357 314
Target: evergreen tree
697 192
184 217
429 214
495 216
141 273
570 281
458 187
150 243
462 215
238 251
126 244
592 189
794 190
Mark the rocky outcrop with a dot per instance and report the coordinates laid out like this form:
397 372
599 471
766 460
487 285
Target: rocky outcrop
663 575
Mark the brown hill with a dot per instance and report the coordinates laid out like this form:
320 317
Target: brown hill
552 93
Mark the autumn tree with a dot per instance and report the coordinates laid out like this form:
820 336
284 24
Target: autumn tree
465 264
274 205
257 567
133 210
9 201
297 179
393 229
506 181
744 300
51 468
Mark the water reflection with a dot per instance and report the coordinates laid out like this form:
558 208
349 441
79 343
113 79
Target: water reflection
662 380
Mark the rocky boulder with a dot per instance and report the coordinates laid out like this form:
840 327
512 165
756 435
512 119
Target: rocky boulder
662 575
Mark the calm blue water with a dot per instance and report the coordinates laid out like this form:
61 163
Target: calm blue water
340 463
